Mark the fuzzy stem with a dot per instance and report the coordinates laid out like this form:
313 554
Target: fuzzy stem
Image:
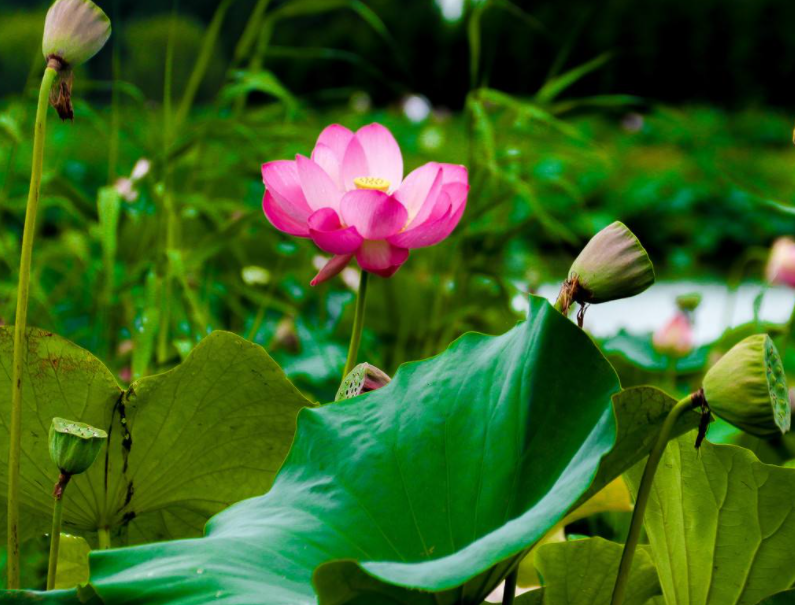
55 534
358 324
643 497
509 590
20 323
103 536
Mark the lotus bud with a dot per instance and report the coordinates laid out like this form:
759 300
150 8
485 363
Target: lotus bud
781 263
612 265
74 446
748 388
74 31
675 338
362 379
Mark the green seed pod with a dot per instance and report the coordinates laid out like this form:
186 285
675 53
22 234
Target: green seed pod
362 379
612 265
688 302
747 387
74 446
74 31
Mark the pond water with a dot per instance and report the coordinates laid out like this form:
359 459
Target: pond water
720 308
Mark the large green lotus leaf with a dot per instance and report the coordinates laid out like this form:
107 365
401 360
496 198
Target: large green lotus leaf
720 524
182 445
583 572
640 412
424 491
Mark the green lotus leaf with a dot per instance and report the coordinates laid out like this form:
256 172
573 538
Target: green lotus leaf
582 572
424 491
640 412
182 445
72 562
720 524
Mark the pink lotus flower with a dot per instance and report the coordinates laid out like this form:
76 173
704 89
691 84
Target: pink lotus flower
351 199
675 338
781 264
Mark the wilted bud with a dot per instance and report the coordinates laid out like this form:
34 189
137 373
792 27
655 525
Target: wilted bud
781 263
748 388
74 446
612 265
362 379
74 31
675 338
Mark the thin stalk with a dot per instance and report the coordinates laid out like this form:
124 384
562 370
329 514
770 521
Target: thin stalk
358 324
782 347
509 590
168 201
20 323
643 497
103 536
55 534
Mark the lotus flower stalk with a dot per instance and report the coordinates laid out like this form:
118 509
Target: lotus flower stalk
74 31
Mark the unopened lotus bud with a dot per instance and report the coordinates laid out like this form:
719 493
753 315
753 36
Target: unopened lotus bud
74 446
747 387
612 265
781 263
74 31
362 379
675 338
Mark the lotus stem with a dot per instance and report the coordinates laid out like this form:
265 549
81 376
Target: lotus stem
509 590
55 534
103 536
358 324
643 496
20 323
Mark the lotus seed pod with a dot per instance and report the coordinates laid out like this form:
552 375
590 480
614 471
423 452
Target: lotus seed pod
747 387
612 265
362 379
74 446
74 31
688 302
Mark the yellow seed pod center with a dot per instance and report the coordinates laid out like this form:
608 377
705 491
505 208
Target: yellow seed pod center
371 182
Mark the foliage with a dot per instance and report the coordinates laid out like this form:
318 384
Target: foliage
500 450
182 445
